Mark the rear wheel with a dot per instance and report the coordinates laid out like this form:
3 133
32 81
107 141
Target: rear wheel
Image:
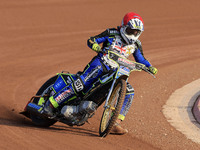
112 111
40 121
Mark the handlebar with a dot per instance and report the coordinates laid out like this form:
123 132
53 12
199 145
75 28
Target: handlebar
144 68
148 71
120 60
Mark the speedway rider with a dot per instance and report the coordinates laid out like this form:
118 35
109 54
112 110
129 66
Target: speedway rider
124 41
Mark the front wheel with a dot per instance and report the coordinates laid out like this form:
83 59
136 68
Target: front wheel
113 108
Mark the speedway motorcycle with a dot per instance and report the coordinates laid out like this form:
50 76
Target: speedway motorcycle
109 89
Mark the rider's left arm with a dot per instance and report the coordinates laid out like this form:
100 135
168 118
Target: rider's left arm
139 57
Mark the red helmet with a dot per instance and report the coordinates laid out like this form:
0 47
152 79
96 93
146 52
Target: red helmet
132 27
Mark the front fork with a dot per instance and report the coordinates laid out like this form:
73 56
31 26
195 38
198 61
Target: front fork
109 94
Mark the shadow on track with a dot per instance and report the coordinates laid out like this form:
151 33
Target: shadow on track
13 118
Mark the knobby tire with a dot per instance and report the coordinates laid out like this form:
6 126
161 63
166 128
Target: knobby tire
110 114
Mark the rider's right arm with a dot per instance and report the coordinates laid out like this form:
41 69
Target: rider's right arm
93 44
94 41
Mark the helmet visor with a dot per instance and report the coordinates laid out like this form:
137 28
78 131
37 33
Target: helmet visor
134 32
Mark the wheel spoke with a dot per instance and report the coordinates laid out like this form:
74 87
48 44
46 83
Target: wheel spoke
111 112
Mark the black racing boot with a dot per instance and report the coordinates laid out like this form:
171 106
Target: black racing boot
48 109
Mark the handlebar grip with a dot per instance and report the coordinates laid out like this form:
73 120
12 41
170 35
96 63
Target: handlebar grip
148 71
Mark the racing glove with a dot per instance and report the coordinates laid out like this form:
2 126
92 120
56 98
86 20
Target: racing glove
96 47
153 70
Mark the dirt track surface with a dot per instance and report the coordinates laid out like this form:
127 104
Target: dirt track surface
40 38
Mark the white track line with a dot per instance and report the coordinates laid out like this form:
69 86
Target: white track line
178 110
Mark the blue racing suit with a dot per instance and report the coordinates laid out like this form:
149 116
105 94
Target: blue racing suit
97 68
108 37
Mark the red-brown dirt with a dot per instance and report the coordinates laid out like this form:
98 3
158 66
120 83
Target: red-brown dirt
40 38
